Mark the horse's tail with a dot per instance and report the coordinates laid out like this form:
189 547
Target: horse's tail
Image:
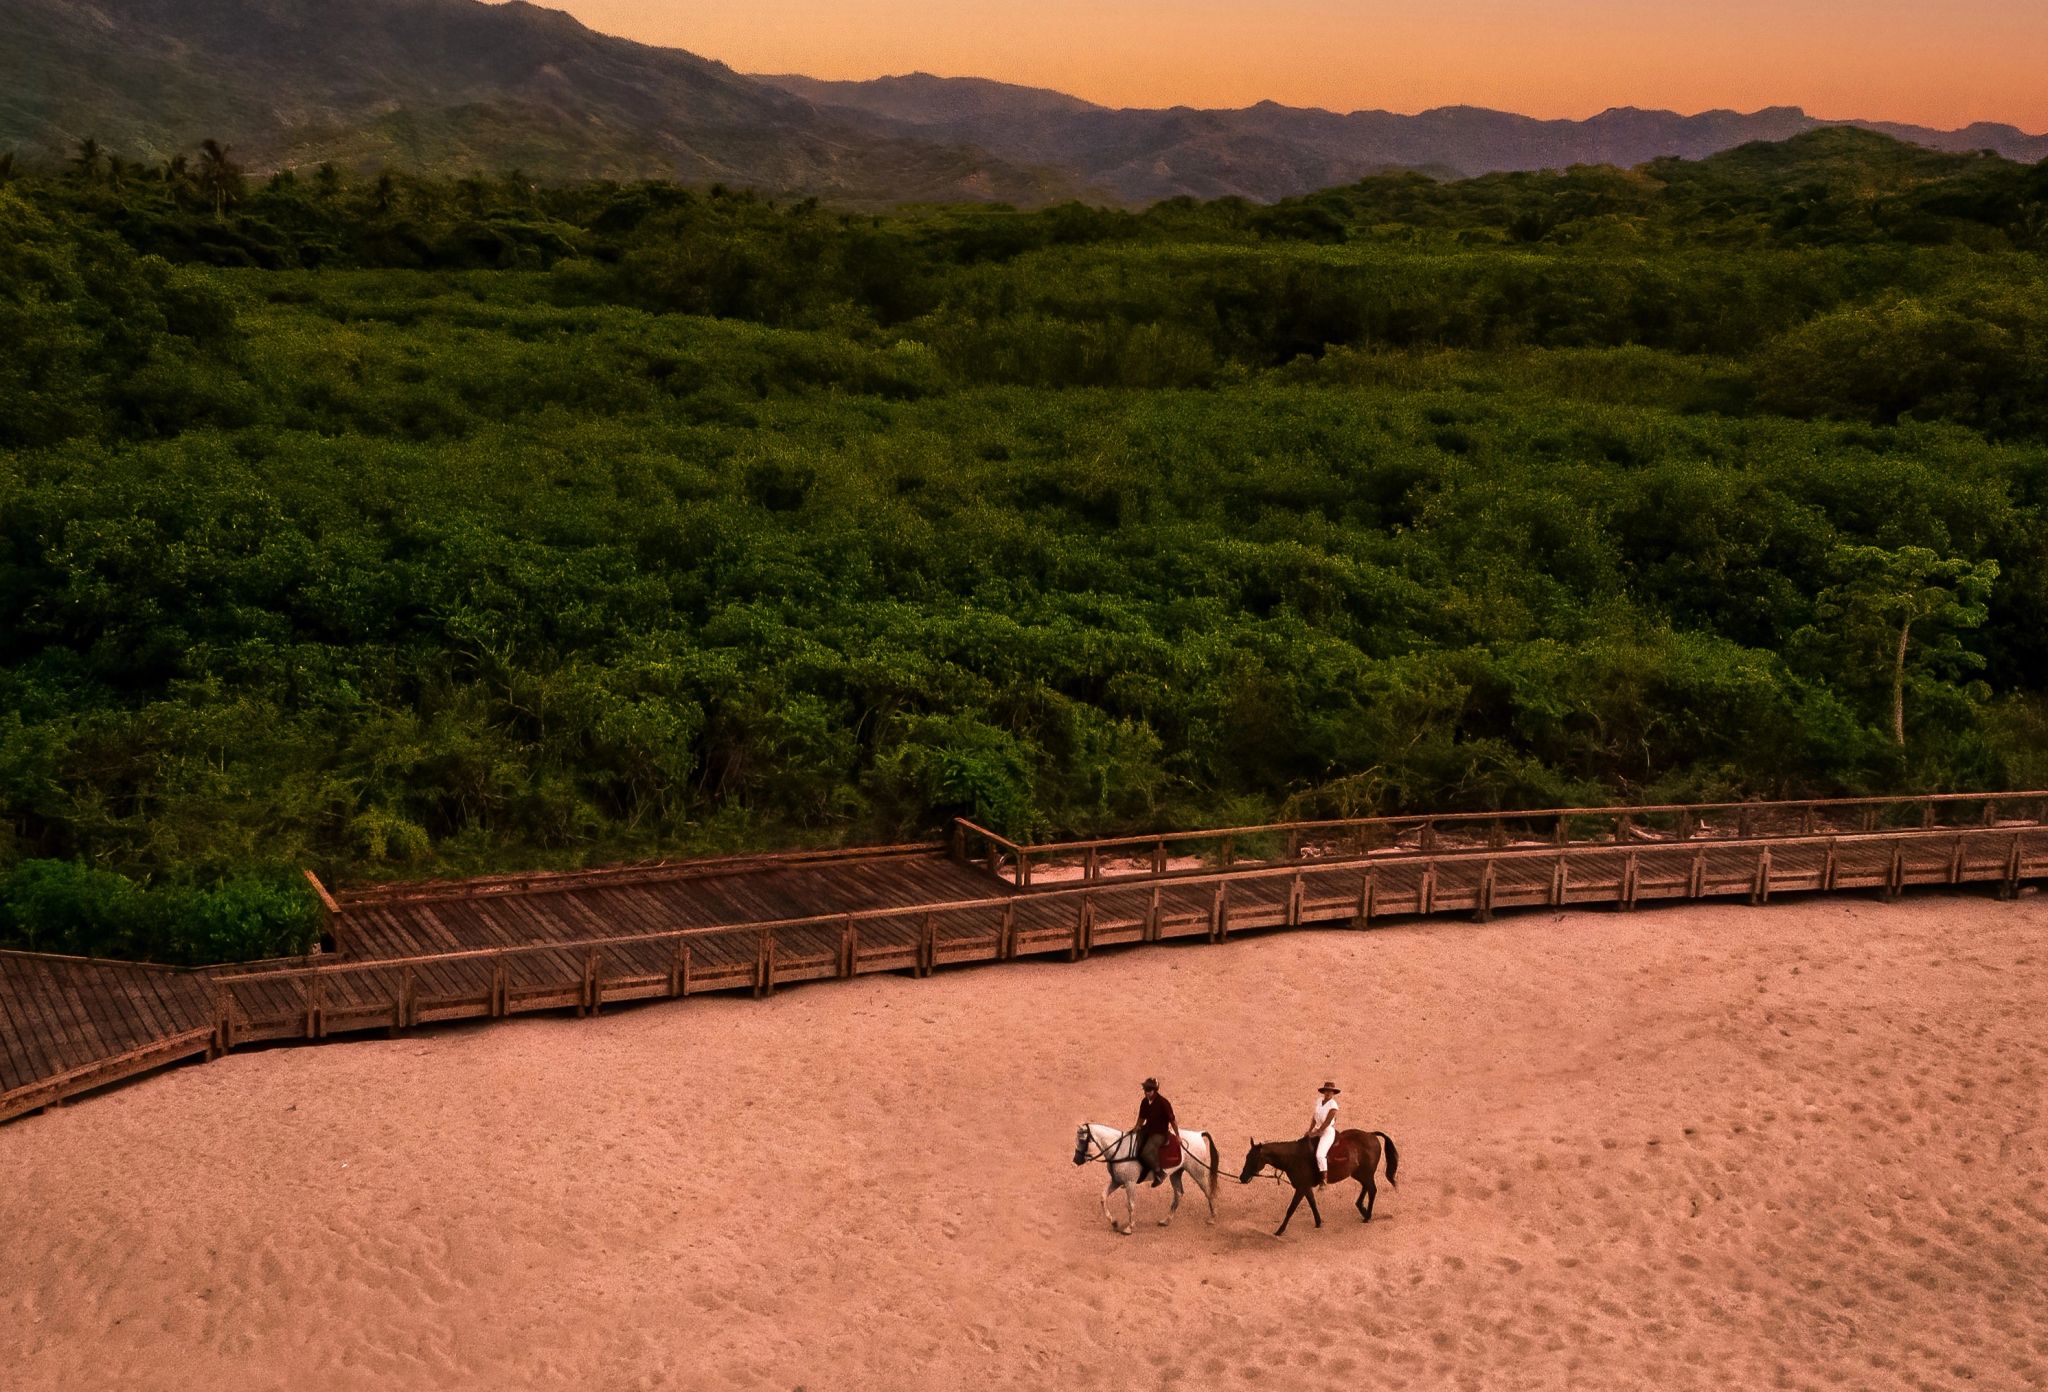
1393 1155
1214 1156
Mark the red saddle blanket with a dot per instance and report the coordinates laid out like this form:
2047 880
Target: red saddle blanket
1169 1151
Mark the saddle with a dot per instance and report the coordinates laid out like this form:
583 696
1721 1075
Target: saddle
1343 1158
1169 1151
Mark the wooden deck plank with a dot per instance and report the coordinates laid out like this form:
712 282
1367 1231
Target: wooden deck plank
64 1050
21 1057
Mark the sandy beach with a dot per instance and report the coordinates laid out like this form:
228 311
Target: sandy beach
1799 1146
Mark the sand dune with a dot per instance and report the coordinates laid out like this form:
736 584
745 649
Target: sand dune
1719 1147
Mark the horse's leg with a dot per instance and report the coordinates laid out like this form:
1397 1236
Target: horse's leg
1312 1207
1294 1204
1176 1201
1108 1189
1130 1207
1368 1195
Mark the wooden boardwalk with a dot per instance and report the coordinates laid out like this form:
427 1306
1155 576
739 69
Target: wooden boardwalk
412 955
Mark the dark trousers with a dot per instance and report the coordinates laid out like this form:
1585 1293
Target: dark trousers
1148 1151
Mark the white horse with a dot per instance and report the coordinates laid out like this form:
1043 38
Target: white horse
1117 1149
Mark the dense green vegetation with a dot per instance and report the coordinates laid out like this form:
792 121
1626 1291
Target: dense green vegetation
416 526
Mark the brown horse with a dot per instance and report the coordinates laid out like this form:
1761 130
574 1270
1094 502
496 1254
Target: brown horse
1353 1155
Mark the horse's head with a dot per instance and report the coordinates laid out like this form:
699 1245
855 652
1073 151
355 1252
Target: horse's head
1254 1161
1081 1139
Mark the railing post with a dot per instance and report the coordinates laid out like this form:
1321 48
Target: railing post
1895 873
675 969
1482 906
501 989
1428 898
1092 867
1159 857
1696 879
1629 870
927 946
1955 863
1621 827
848 945
1152 917
1830 866
409 999
593 987
1365 893
223 1019
1023 868
1560 879
2012 869
1558 838
1293 846
1294 901
1760 890
1007 945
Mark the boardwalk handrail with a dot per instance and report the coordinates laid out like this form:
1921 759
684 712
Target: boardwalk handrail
257 1002
1621 818
1076 891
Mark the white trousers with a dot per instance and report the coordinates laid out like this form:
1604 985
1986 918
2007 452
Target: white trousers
1323 1144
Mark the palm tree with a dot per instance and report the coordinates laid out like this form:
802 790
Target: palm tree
176 173
220 178
88 160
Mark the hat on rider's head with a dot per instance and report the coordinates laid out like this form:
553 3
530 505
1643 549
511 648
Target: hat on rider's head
1329 1087
1151 1085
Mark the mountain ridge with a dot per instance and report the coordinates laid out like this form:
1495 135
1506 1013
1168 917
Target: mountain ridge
458 86
453 84
1269 150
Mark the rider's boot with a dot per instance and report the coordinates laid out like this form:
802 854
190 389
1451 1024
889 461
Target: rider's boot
1157 1176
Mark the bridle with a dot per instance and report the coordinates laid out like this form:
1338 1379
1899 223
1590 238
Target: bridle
1093 1149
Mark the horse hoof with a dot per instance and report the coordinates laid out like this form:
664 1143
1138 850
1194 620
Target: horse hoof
1164 1221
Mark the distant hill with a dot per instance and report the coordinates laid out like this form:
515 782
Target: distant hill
456 85
446 85
1270 151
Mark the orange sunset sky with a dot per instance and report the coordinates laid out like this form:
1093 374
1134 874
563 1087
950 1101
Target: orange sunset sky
1936 62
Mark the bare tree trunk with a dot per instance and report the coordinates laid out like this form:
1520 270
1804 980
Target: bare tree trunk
1899 689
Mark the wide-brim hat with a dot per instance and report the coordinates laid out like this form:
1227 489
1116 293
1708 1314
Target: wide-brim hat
1329 1087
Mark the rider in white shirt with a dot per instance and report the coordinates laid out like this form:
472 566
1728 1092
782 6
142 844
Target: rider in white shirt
1323 1130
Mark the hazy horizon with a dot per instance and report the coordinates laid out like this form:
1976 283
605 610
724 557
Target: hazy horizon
1881 60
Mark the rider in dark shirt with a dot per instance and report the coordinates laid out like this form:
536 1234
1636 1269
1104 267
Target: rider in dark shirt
1155 1123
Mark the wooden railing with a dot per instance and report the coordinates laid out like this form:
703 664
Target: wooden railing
311 1001
1115 859
1073 918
